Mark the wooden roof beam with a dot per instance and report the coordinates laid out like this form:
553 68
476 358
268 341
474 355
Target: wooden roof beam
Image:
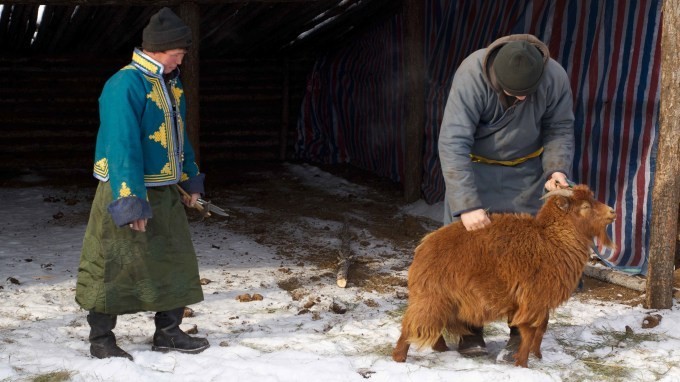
148 3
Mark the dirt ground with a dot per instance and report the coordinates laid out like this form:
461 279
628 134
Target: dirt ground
271 188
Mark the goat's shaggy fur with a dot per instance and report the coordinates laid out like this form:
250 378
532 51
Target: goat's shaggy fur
519 267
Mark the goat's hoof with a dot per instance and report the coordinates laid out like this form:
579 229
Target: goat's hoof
399 355
538 354
440 345
521 362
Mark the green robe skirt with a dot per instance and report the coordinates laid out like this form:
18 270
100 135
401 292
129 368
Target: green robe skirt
126 271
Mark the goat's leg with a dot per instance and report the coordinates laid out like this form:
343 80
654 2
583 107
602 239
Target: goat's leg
401 348
522 355
538 337
440 345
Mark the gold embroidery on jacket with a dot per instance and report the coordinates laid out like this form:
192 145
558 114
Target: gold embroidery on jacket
177 93
166 169
160 99
160 136
146 64
101 167
184 177
124 190
156 97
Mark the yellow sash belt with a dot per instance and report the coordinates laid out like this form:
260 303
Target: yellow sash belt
513 162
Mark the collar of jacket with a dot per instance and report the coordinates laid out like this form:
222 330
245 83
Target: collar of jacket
149 66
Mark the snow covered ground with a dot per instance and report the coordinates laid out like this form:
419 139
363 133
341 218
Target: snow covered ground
304 329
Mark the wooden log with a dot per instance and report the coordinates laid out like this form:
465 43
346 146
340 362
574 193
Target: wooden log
285 115
4 23
615 277
147 3
190 13
414 72
677 243
344 255
666 192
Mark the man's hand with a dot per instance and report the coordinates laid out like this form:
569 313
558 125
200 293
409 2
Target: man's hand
138 225
475 219
557 180
191 201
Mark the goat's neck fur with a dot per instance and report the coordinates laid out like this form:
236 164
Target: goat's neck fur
571 243
561 226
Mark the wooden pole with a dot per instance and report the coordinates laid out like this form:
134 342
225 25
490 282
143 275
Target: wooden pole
190 13
146 3
285 111
665 195
413 12
345 257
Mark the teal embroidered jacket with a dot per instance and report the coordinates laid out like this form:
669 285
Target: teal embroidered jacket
142 141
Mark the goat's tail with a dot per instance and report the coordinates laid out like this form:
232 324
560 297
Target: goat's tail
424 322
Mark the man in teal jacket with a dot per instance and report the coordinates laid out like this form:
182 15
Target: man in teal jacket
507 133
137 252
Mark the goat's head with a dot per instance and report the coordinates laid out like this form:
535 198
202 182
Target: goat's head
589 216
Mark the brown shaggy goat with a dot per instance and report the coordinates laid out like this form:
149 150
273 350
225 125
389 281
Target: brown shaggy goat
519 267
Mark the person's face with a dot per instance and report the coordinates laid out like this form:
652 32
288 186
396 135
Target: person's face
521 98
170 59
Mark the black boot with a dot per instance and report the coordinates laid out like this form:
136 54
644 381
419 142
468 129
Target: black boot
169 337
102 339
507 354
473 345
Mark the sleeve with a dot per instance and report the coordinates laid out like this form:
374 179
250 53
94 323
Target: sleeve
557 125
192 179
120 108
456 136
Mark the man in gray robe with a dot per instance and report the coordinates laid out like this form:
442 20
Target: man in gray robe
507 133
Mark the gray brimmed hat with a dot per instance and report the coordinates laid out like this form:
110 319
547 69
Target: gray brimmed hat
518 66
165 31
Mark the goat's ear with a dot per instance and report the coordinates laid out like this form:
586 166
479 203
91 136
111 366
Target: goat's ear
563 203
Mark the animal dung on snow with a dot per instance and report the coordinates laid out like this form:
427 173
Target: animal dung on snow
519 267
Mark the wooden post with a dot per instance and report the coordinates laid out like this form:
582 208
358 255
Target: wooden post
285 111
191 15
345 256
413 13
665 195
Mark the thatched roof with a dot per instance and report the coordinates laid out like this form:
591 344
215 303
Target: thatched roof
228 28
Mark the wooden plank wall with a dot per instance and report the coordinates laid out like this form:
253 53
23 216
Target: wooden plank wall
241 107
50 113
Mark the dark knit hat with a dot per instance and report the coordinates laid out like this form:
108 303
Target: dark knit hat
518 66
165 31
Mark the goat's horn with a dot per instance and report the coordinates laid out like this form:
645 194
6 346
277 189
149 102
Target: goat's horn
560 191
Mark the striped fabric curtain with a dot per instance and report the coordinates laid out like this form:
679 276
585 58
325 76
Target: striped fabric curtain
353 110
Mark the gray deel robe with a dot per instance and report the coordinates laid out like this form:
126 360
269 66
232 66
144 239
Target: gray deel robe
480 119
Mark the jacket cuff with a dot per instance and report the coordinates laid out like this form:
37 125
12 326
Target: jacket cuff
126 210
194 185
458 213
548 174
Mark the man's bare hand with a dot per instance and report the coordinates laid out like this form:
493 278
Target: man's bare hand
557 180
475 219
191 201
138 225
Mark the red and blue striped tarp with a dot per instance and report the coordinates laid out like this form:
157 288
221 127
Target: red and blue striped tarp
353 111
